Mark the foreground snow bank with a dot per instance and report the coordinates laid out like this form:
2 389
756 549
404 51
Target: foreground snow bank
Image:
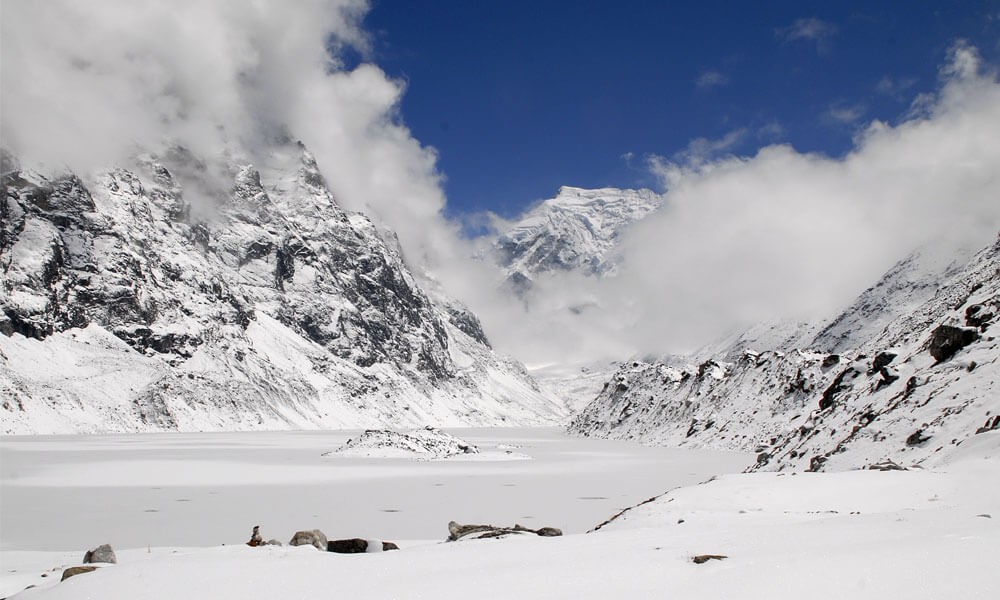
858 534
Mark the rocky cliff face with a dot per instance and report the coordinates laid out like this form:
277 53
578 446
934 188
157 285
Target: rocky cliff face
231 293
578 230
912 391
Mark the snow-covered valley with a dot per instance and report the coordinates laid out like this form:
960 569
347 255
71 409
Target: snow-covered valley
856 534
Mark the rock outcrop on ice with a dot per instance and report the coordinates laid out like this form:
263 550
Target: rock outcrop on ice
428 443
182 292
911 389
578 230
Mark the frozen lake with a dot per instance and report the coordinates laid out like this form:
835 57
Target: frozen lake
207 489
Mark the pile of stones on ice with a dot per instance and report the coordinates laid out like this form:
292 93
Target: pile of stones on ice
427 443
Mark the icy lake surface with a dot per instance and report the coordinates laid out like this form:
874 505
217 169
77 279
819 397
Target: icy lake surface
207 489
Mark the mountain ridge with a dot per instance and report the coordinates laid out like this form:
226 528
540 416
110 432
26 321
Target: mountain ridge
227 294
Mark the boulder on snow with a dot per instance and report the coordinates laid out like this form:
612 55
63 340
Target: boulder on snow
313 537
457 531
704 558
70 572
255 538
946 340
882 360
886 465
978 315
359 546
991 424
101 554
917 437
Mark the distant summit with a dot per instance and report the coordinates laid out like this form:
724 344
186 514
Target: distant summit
578 230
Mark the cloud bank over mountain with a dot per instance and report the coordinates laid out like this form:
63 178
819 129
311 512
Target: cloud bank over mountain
738 239
87 84
784 234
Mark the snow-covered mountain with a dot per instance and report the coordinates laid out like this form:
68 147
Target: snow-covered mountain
578 230
185 293
906 373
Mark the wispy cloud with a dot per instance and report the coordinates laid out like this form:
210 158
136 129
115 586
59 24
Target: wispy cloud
710 79
809 29
697 155
894 86
846 113
771 131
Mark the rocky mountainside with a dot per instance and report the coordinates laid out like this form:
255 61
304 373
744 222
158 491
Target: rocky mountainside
578 230
185 293
909 387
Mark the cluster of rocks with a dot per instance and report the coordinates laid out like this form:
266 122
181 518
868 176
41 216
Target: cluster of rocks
457 531
318 539
103 554
426 443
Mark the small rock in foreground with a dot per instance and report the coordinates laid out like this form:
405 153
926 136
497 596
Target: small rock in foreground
358 546
70 572
101 554
314 537
703 558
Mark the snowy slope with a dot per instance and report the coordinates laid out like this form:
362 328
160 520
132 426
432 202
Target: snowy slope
887 398
186 293
578 230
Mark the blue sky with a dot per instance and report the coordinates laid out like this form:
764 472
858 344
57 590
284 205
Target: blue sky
522 97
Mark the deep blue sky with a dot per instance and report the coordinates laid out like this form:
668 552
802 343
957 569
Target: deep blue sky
520 97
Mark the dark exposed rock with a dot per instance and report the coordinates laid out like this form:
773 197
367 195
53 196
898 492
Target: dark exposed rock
101 554
979 315
992 423
816 463
916 438
882 359
704 558
357 546
349 546
889 375
829 396
73 571
549 532
467 323
831 360
313 537
946 340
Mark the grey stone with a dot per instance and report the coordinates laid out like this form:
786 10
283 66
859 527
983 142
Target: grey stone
313 537
101 554
70 572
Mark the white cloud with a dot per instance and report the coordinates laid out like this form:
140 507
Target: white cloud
86 83
809 30
894 86
711 79
846 113
782 233
740 238
698 155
